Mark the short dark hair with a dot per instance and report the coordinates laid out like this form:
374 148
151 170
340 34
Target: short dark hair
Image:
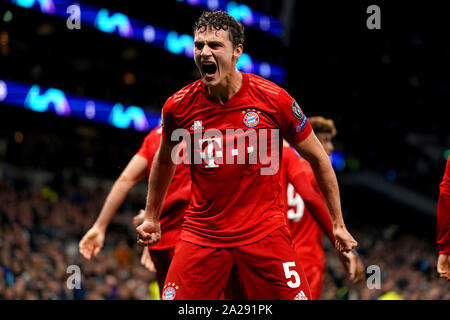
221 20
322 125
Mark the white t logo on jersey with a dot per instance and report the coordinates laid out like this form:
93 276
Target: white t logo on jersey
253 147
208 155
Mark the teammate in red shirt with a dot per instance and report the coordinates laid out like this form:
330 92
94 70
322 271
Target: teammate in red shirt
233 124
443 225
307 214
159 256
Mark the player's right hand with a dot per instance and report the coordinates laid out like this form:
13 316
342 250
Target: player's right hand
148 233
344 240
92 242
443 266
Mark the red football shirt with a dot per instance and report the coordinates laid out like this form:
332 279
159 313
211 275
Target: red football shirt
443 213
306 212
232 202
177 197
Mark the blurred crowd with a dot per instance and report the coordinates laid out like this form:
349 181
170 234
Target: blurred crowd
40 229
407 265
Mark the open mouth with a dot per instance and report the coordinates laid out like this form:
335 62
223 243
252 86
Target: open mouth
209 68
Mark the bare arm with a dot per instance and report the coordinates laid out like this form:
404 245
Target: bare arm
160 178
92 241
134 172
311 149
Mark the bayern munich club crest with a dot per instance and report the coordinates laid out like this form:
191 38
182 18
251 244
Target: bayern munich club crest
251 119
169 292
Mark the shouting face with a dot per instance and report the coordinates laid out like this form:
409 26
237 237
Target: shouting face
215 56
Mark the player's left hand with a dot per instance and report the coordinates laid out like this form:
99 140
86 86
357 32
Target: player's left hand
148 233
353 265
344 240
139 218
443 266
146 260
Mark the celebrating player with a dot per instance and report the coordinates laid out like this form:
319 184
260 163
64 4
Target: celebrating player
307 214
235 217
158 257
443 225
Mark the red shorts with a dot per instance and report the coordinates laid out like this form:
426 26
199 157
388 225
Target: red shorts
314 274
267 270
161 259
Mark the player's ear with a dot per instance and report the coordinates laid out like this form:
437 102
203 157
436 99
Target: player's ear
238 49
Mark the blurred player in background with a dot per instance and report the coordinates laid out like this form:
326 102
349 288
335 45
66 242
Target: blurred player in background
443 225
158 257
307 214
235 218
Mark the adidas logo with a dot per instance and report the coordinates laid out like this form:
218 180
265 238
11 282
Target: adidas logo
301 296
197 125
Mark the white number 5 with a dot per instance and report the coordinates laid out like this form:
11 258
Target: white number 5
289 273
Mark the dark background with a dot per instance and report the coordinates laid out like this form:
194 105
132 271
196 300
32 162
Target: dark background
387 90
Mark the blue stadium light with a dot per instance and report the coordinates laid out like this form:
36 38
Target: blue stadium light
122 118
36 98
110 23
120 24
243 13
42 102
179 44
46 6
337 161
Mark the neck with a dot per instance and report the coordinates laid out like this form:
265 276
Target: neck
227 88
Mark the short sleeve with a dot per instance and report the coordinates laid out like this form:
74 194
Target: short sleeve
168 122
150 145
291 160
294 124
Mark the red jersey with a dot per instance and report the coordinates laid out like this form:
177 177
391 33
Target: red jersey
177 197
306 212
234 201
443 213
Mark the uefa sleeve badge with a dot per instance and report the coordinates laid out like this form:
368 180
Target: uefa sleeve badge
297 110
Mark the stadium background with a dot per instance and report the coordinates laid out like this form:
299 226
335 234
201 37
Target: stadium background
386 90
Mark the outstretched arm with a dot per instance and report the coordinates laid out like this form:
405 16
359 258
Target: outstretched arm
308 190
311 149
163 169
135 171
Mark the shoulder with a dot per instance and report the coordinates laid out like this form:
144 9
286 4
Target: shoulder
289 152
264 86
153 135
270 92
186 94
293 156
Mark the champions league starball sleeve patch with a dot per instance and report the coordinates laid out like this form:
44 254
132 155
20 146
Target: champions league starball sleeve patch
297 110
